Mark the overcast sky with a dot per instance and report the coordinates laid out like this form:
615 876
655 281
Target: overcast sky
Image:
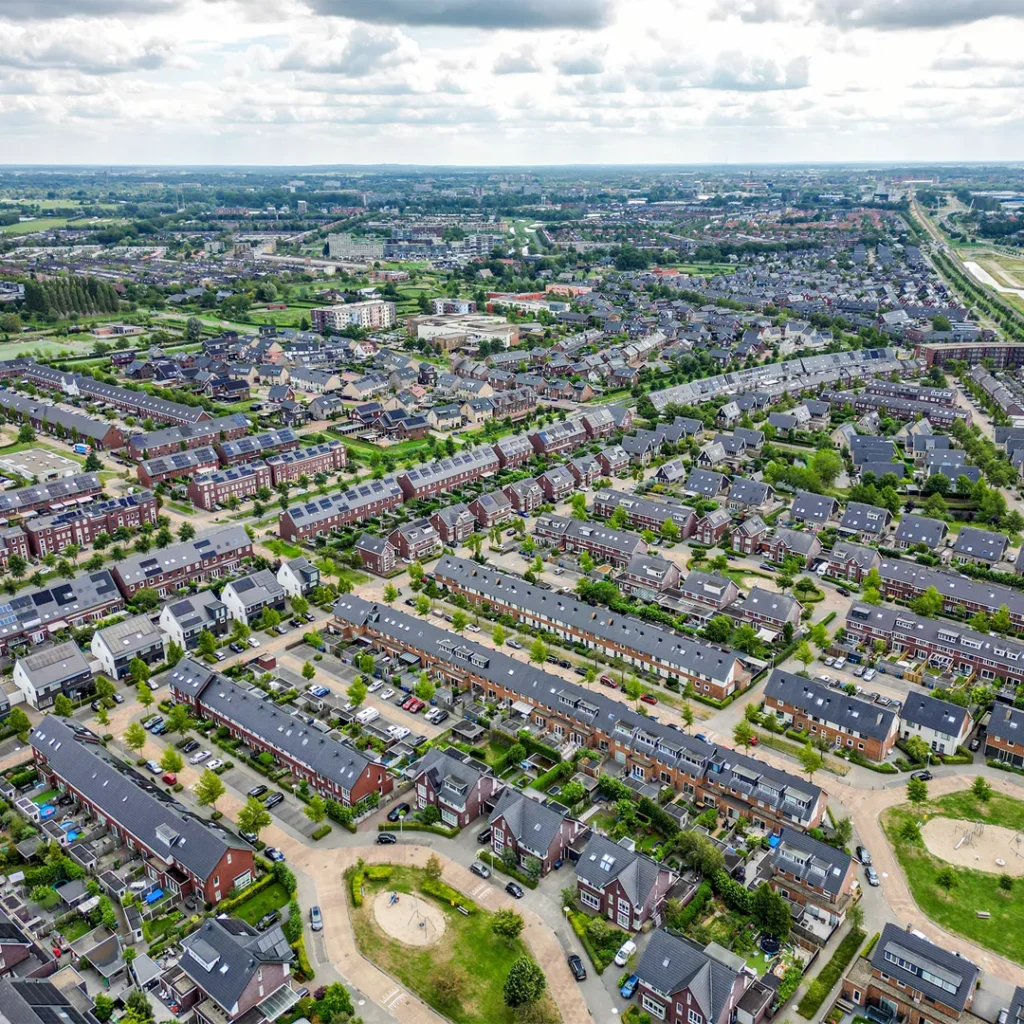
509 81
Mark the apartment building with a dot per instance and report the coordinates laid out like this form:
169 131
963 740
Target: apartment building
371 315
181 853
216 489
327 458
820 712
645 513
174 467
257 446
195 561
569 715
318 517
460 787
448 474
50 497
44 535
711 670
332 769
168 440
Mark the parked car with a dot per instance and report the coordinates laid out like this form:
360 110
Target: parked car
386 694
608 681
273 800
829 662
840 662
118 698
250 837
858 671
214 764
767 568
273 853
154 767
869 674
479 868
872 876
398 811
440 717
386 838
472 627
579 972
700 736
170 778
253 642
515 644
843 591
975 743
220 656
320 691
257 790
925 776
863 855
626 950
267 920
154 723
96 704
190 746
648 699
629 987
199 758
484 837
236 647
374 686
316 920
514 890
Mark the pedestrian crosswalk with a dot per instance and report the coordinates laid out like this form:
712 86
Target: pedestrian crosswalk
393 997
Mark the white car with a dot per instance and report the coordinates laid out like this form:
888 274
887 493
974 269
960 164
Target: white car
829 662
398 732
626 950
869 675
514 644
215 763
387 694
840 662
199 758
253 642
374 686
473 628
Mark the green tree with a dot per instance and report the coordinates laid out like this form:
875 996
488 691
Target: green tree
63 707
170 760
743 734
771 912
18 720
422 605
946 877
179 719
209 789
918 750
843 832
308 670
206 644
525 983
193 329
917 791
175 652
253 817
981 789
390 594
135 736
507 925
804 653
498 635
144 695
424 688
459 621
539 651
357 691
316 809
810 760
186 532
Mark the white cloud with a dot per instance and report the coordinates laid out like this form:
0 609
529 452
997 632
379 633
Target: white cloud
515 64
913 14
483 14
363 51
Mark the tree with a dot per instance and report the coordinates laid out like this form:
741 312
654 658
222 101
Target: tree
1006 883
843 831
316 809
206 644
253 817
63 707
422 605
135 736
187 531
193 329
980 788
17 565
686 714
179 719
138 1004
810 760
572 793
507 925
539 651
103 715
308 670
433 867
26 434
459 621
743 733
175 652
855 917
771 912
103 1008
827 465
18 720
357 691
525 983
498 635
947 878
424 687
209 789
917 791
804 653
918 750
390 594
170 760
144 695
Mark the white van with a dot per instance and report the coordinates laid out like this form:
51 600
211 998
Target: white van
367 715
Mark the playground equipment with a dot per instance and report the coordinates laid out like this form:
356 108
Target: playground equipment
971 831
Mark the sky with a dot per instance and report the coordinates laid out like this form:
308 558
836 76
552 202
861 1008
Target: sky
526 82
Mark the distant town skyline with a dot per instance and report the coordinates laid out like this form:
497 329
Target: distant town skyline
509 82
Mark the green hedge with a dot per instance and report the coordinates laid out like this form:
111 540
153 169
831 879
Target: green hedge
694 908
322 831
355 887
827 977
378 872
870 947
242 895
418 826
446 894
579 926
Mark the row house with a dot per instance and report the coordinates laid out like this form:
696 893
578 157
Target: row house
13 541
181 853
299 576
1004 740
783 543
60 669
448 474
709 590
116 647
750 496
820 712
525 496
627 888
557 484
50 497
649 577
378 554
491 509
44 535
749 535
814 510
909 390
602 543
848 561
566 435
67 424
257 446
454 523
646 750
214 490
460 787
155 443
317 518
585 470
945 646
327 458
416 540
598 423
177 565
532 830
174 467
645 513
513 451
246 598
768 608
514 404
335 770
901 409
866 522
713 671
942 726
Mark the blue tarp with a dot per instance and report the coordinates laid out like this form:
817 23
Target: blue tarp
154 895
774 841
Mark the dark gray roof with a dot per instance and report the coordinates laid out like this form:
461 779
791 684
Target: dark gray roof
844 551
367 492
452 773
223 954
984 545
66 599
832 707
181 462
865 518
703 481
259 587
139 568
258 443
921 530
34 1001
750 492
129 635
176 838
670 964
931 713
207 429
55 492
906 958
813 508
54 664
1007 724
533 824
812 862
603 861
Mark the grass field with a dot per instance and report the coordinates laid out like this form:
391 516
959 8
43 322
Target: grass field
282 548
974 890
468 945
273 897
29 227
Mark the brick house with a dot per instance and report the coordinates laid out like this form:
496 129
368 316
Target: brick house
748 535
712 527
848 561
1004 740
416 540
453 523
491 509
459 787
525 495
532 829
783 542
379 555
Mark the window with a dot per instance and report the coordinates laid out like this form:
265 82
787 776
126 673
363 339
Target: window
654 1008
694 1017
588 899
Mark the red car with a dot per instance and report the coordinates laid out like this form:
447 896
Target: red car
407 703
608 681
648 699
415 706
170 778
754 740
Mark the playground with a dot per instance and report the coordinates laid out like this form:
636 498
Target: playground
409 919
975 844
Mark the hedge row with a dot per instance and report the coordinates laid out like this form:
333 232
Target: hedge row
446 894
830 974
579 926
247 893
419 826
322 831
694 908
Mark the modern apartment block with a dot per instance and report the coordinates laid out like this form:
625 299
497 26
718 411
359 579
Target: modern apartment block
208 490
371 315
82 525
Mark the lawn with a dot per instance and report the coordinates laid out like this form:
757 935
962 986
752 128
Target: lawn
283 549
45 798
468 944
974 890
76 929
274 897
51 901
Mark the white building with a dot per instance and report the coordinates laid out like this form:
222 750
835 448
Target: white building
298 576
943 726
117 646
246 598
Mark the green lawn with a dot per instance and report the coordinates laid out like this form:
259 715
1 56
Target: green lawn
274 897
974 890
51 901
469 945
283 549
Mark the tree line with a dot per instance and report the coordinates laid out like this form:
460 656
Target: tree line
69 294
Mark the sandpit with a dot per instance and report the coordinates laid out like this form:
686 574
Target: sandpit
411 920
983 850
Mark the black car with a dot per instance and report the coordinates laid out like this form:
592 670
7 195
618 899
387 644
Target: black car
843 591
267 920
257 790
579 972
974 744
96 704
309 616
514 890
295 621
484 837
399 811
552 660
386 838
925 776
410 603
564 663
236 647
190 746
118 698
273 800
580 670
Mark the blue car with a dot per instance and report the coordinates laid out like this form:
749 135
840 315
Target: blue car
629 987
320 691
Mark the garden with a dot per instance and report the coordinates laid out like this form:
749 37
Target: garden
969 826
462 967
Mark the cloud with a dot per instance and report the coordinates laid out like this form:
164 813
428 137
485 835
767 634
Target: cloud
753 12
482 14
894 15
45 10
968 59
734 73
361 52
581 64
515 64
94 48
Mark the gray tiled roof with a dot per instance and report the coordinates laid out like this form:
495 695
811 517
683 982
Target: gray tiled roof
921 530
813 508
367 492
533 824
129 635
210 429
670 964
54 664
749 492
603 861
931 713
66 599
984 545
830 706
139 568
814 863
917 956
865 518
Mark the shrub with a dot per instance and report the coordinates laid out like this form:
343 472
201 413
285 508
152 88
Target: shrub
356 888
322 831
446 894
831 973
378 872
694 908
